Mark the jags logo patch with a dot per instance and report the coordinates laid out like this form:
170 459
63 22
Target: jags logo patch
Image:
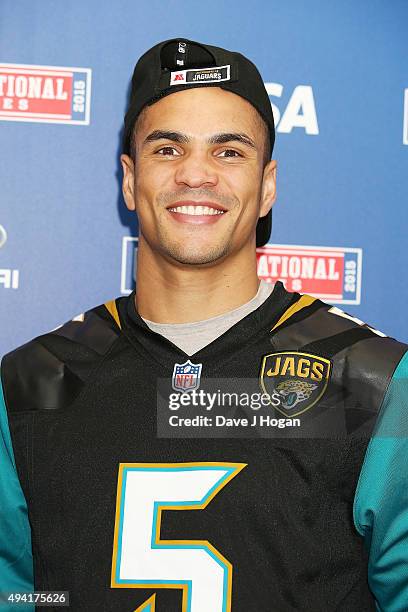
298 379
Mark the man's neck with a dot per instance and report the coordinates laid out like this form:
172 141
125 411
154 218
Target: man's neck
174 293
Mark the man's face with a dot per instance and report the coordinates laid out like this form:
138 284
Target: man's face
198 184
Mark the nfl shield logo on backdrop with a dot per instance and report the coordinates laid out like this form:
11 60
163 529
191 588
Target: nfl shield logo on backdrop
186 376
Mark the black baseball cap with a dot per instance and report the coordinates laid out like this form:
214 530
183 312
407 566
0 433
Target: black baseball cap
179 63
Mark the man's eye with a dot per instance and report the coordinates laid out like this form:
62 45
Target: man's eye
166 150
228 151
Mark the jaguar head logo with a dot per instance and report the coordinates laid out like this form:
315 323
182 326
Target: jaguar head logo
294 391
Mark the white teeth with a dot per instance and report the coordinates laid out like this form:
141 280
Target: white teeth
196 210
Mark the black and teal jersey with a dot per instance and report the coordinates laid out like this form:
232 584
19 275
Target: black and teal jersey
94 502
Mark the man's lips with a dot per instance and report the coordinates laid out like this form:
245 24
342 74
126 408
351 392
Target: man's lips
197 212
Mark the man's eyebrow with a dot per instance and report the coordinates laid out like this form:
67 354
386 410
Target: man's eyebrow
221 138
167 135
230 137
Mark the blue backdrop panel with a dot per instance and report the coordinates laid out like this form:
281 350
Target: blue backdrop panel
336 74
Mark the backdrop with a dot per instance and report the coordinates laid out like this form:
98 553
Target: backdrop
337 76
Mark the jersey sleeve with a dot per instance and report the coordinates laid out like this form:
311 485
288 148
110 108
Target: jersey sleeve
381 499
16 563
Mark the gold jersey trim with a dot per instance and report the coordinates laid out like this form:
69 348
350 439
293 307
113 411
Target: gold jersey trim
303 302
113 311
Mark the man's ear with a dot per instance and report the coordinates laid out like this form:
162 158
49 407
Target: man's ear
268 192
128 181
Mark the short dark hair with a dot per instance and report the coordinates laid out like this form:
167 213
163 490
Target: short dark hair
267 139
261 123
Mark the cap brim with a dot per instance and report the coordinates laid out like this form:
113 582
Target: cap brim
263 229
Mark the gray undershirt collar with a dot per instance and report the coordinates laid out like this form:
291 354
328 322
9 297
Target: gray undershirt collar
192 337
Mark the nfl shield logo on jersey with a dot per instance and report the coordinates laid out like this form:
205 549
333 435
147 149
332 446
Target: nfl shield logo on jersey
186 376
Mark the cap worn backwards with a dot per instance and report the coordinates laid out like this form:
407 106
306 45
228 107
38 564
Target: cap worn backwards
179 63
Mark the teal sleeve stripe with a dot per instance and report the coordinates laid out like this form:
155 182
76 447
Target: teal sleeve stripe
381 499
16 563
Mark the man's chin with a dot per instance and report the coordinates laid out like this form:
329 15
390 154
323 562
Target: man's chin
196 255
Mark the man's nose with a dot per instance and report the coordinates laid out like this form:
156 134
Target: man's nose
195 170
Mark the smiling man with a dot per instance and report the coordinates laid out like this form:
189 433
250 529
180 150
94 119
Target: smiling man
198 181
303 509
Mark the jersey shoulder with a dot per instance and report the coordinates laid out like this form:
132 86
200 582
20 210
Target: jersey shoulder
310 323
49 371
363 358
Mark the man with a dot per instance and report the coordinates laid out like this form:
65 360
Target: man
127 516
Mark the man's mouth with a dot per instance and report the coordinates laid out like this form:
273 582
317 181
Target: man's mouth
196 212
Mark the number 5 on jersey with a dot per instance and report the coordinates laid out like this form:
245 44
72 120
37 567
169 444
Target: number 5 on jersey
141 559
